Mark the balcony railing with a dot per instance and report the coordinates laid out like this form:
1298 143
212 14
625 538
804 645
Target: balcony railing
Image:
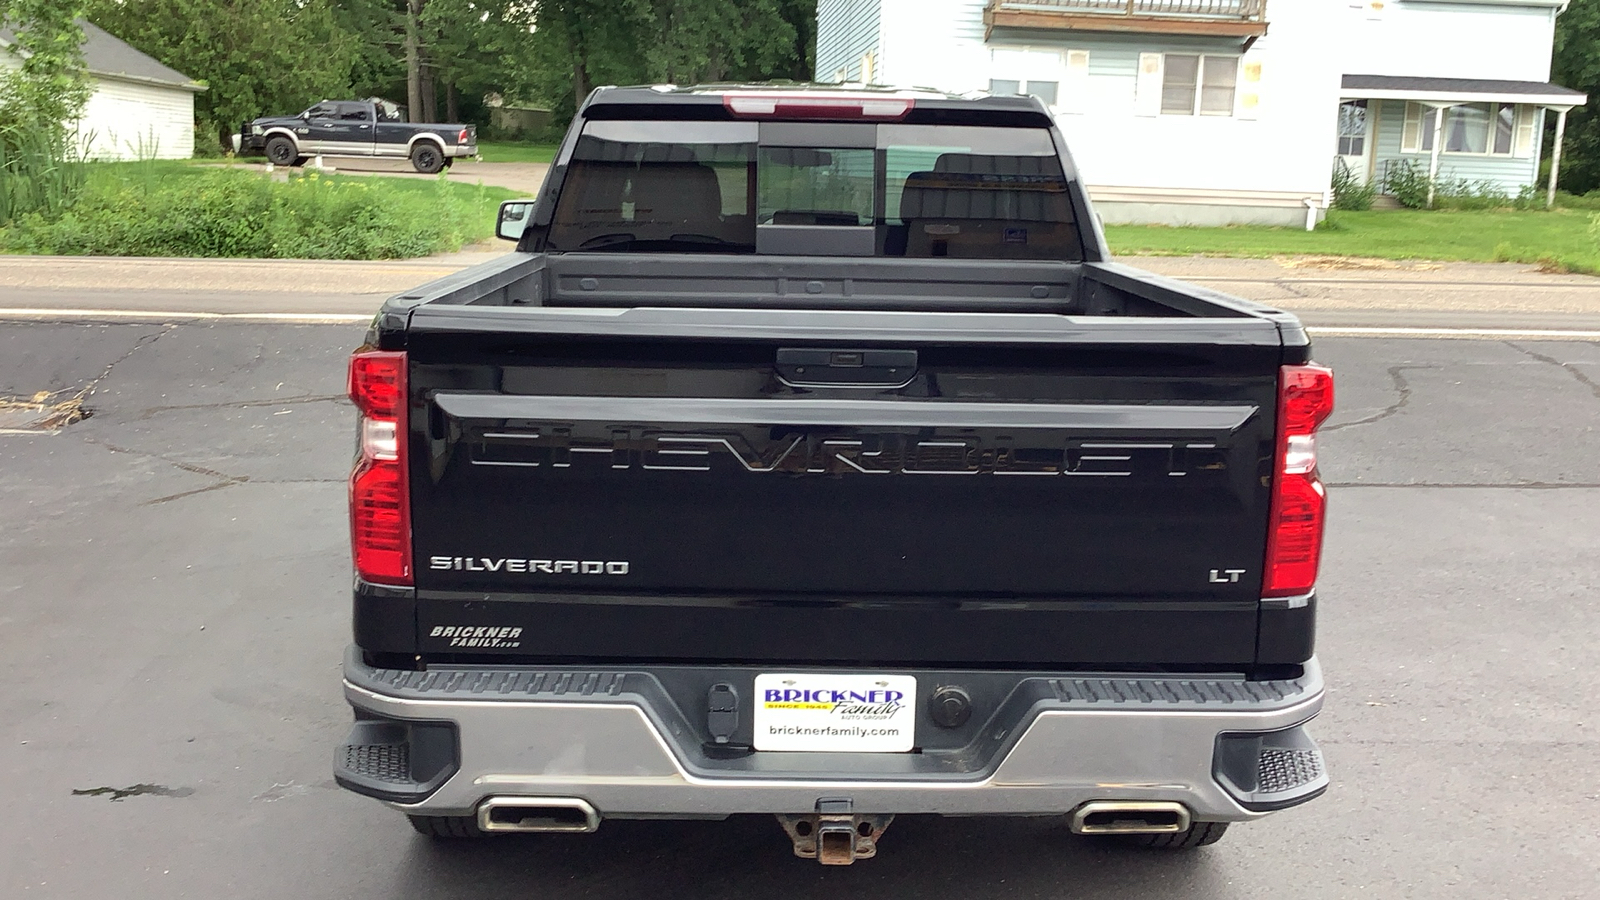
1235 18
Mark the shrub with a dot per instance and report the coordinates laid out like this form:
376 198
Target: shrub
1350 192
1529 197
142 211
1408 183
1590 200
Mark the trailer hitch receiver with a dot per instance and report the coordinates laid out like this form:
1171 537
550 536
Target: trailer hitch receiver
833 835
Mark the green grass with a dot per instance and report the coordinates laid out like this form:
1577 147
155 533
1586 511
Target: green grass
1557 239
173 208
509 152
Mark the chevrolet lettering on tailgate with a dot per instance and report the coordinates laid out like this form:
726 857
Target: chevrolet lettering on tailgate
803 453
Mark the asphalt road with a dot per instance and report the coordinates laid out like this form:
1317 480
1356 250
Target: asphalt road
1332 294
174 602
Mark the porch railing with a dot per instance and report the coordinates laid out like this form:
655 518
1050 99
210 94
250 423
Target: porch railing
1234 10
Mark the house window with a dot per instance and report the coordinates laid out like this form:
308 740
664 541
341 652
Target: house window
1044 90
1053 74
1491 129
1353 128
1198 85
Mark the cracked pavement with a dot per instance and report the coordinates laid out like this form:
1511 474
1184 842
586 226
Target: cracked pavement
174 590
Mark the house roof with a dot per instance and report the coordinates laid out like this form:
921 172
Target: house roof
106 56
1459 90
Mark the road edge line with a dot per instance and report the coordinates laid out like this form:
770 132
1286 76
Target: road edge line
1403 331
175 316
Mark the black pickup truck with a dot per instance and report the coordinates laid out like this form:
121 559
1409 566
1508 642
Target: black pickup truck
622 546
359 128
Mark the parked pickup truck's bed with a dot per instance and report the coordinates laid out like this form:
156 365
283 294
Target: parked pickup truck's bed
645 502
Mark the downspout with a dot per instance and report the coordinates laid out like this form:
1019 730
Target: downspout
1311 213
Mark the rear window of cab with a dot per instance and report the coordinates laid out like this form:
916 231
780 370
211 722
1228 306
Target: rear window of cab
890 190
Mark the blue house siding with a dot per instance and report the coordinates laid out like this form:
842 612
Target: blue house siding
1509 173
846 29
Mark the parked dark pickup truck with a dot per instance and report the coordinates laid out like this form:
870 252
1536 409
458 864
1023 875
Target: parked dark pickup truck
367 128
811 457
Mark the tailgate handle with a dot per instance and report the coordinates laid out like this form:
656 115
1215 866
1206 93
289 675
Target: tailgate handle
846 366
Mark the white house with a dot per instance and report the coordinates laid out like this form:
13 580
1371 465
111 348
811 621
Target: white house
1232 111
140 108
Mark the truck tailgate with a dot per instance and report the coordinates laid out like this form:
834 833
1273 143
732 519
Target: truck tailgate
1027 494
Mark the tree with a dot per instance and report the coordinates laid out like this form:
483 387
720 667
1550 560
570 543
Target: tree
802 17
377 28
420 49
478 47
257 57
580 43
1576 65
41 101
698 41
47 93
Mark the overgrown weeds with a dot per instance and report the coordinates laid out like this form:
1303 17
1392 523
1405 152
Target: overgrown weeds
146 210
1350 192
38 174
1409 183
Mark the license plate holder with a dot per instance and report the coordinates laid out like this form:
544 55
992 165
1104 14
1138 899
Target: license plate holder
826 712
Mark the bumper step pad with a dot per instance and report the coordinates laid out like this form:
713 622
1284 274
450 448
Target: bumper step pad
1270 770
388 763
1282 770
394 760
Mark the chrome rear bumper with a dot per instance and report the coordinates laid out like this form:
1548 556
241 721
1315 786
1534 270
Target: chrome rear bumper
474 734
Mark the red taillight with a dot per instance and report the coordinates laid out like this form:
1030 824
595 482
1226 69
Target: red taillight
816 105
1299 502
380 498
462 137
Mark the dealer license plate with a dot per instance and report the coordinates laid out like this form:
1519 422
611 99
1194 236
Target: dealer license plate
824 712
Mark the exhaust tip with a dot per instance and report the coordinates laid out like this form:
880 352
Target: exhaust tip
1130 817
544 815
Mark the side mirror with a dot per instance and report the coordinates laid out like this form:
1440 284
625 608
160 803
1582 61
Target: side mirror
513 219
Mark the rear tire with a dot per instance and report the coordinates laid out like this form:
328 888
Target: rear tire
282 152
447 828
427 158
1200 834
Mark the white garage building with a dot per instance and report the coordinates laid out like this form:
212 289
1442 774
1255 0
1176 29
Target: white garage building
140 109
